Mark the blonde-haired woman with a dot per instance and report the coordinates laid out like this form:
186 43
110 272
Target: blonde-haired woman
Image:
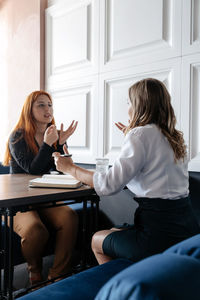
153 165
29 150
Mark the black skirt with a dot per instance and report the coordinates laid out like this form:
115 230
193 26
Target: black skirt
158 224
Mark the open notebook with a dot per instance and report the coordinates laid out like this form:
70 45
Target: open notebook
55 181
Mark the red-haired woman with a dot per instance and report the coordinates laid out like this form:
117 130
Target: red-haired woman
29 150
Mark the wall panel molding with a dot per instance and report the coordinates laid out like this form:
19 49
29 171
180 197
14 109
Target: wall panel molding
76 101
152 32
114 94
190 117
72 40
191 26
113 43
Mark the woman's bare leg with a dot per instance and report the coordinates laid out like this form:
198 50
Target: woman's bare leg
97 243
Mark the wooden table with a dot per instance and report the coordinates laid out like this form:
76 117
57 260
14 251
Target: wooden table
15 196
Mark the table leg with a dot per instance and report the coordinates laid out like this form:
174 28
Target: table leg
84 228
97 199
5 257
1 254
95 213
10 256
92 219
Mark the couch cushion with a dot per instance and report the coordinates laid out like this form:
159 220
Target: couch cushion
82 286
160 277
189 247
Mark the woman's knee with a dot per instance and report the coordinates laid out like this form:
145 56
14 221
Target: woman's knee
69 218
73 214
97 241
35 233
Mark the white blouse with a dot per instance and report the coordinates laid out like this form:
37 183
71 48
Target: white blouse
146 166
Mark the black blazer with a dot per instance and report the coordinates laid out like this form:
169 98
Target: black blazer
23 160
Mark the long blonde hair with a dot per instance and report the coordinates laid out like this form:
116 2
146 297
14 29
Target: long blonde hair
151 103
26 123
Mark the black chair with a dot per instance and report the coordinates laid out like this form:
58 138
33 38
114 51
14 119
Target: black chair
194 187
4 170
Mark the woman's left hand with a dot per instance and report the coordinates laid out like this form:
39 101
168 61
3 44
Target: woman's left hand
65 134
63 164
121 126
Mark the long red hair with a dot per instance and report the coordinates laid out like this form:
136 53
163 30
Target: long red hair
27 124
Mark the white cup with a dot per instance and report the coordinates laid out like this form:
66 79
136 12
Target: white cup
102 164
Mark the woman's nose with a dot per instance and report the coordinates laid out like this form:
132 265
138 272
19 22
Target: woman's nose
47 108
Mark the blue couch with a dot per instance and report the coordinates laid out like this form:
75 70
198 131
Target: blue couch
172 275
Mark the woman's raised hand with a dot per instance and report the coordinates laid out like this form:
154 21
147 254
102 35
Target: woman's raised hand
65 134
121 126
51 135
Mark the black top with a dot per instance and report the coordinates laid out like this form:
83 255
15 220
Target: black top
23 160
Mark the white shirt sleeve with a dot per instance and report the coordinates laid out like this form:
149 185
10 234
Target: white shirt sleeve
127 165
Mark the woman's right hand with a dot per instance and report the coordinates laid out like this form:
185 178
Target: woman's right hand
63 164
51 135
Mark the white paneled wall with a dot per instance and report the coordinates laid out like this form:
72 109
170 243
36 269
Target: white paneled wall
134 32
191 27
78 101
114 100
190 99
96 49
72 39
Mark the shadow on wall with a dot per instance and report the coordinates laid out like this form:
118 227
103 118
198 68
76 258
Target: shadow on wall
119 208
2 2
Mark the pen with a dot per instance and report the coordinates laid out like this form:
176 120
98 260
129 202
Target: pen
66 155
